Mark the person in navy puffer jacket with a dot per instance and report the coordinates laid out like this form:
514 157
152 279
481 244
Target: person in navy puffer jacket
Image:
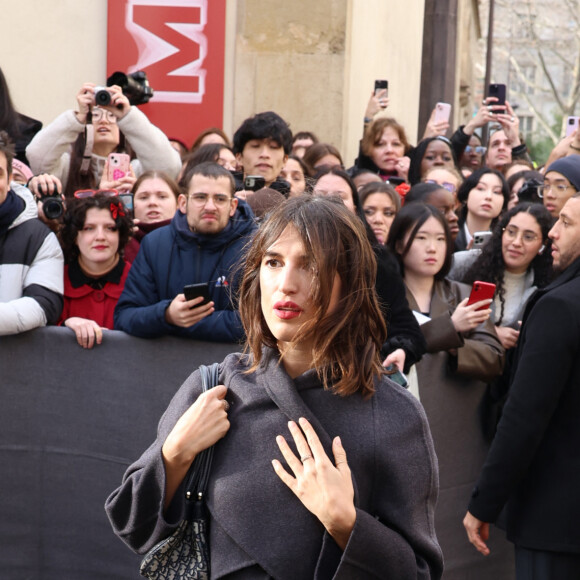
204 243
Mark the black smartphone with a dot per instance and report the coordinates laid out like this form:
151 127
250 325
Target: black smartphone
381 85
254 182
499 91
192 291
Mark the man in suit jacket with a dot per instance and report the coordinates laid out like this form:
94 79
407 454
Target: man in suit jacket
533 465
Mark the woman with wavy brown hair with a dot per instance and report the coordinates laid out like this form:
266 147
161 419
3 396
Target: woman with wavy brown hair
322 466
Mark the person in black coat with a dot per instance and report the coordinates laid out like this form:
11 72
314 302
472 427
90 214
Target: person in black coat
533 466
405 344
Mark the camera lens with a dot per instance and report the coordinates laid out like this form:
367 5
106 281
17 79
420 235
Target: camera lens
102 97
52 207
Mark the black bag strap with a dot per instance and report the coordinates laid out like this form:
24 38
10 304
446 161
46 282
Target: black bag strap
198 474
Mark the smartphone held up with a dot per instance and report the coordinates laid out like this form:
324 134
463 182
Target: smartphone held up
481 291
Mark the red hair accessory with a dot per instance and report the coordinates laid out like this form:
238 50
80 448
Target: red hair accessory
402 189
116 210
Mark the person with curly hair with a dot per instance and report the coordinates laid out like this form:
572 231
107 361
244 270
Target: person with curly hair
95 231
516 261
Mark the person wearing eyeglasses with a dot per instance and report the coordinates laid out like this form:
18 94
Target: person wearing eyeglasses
447 177
96 228
473 154
561 182
203 244
75 146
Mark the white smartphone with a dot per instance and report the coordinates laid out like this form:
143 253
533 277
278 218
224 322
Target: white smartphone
442 112
571 125
480 238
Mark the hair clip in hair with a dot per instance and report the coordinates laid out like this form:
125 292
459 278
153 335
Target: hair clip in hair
116 210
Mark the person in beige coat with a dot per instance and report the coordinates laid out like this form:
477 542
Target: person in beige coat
463 354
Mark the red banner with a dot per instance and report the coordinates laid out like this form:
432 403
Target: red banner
180 44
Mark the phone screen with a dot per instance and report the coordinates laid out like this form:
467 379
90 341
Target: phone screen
381 85
499 91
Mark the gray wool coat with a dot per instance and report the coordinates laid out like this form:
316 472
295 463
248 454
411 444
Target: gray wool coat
258 528
451 389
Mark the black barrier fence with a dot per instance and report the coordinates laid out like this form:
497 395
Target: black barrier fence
71 421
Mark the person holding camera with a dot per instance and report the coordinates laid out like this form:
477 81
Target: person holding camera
75 146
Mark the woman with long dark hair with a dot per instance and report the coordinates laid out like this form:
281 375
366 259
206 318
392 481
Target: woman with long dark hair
517 260
463 355
321 467
405 344
483 195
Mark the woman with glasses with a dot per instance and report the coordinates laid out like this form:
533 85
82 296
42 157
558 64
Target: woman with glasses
517 260
75 146
95 231
449 178
483 195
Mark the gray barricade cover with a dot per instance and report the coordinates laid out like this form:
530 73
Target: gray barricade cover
71 421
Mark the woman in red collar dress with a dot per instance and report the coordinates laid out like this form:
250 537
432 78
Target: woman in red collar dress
95 231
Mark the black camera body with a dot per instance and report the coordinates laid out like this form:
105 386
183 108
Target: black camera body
52 206
135 86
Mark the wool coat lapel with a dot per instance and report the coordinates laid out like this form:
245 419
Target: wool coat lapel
244 482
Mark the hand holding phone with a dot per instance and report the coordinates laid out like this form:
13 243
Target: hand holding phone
442 113
497 92
481 291
192 291
465 317
382 85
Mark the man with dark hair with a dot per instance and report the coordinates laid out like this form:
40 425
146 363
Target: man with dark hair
203 244
31 261
533 465
262 145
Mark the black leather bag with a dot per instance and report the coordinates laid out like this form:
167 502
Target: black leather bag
185 554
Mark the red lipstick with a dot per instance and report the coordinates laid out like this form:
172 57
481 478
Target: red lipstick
287 310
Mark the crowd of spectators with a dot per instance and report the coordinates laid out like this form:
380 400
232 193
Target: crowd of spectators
120 250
